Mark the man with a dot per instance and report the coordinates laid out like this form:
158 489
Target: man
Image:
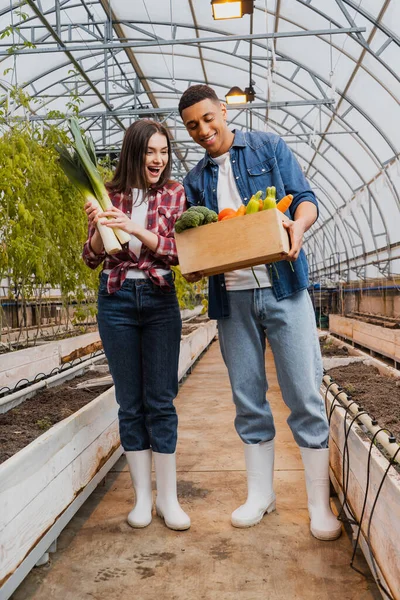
235 166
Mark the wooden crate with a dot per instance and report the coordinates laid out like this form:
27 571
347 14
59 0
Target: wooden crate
247 241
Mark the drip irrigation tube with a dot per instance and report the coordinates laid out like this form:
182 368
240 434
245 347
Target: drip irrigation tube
387 442
12 400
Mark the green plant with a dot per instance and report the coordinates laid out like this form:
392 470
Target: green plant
349 388
44 423
189 294
42 222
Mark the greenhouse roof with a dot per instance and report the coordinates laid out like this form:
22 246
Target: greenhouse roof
324 73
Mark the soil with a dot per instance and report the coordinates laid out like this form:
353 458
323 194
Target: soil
378 394
329 348
193 324
27 421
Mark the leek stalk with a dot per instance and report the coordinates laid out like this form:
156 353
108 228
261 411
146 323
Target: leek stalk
85 153
77 176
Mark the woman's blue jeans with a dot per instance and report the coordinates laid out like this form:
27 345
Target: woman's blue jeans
289 326
140 327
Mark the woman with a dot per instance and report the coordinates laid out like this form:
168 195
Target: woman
138 315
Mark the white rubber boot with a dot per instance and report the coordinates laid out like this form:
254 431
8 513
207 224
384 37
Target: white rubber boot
324 525
261 499
139 463
167 505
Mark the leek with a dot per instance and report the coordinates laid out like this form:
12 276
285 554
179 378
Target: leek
87 158
77 176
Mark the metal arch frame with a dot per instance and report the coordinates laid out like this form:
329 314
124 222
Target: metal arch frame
359 8
227 36
328 233
361 41
322 173
130 55
288 58
320 13
352 103
332 119
326 222
372 123
314 75
346 159
371 195
353 74
371 151
391 36
154 79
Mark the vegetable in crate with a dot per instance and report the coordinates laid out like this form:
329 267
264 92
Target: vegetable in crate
195 216
284 203
254 204
226 212
270 200
210 216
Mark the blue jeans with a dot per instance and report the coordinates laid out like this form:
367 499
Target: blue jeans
289 326
140 327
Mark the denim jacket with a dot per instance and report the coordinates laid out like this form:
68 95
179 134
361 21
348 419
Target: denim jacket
259 160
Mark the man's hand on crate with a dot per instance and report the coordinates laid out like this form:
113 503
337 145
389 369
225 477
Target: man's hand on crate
296 231
305 216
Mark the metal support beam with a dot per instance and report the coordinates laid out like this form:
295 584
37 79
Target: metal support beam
174 110
63 46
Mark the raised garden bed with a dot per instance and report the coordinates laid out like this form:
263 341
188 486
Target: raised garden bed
24 423
375 392
329 348
44 483
40 481
366 483
371 383
375 338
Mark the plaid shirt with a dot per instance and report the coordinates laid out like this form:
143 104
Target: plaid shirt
164 208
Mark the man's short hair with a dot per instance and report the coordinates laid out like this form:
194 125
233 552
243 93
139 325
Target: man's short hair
195 94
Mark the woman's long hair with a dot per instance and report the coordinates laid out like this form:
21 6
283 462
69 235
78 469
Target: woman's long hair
131 169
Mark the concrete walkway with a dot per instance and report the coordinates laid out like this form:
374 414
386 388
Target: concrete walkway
101 558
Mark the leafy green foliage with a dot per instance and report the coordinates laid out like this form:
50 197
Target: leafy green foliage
190 294
42 222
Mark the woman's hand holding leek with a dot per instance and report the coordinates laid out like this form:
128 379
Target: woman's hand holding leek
116 218
93 213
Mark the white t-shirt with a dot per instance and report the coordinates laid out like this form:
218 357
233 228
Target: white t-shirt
229 197
139 215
